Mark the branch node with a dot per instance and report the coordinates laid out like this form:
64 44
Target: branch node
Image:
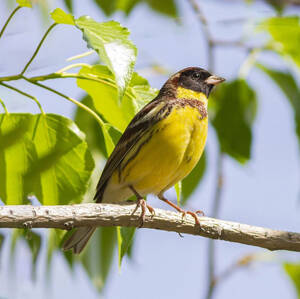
219 232
28 224
69 225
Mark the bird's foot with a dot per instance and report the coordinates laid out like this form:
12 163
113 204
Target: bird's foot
183 212
193 214
142 203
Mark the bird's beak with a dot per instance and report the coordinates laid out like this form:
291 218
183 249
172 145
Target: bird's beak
214 80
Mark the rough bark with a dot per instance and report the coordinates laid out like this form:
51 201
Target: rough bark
69 216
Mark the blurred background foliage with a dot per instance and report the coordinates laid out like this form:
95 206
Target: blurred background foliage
50 159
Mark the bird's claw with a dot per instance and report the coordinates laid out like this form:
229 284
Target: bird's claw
200 213
142 203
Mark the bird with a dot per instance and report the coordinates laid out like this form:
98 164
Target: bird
160 146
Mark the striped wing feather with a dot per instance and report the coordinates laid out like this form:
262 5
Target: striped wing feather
139 125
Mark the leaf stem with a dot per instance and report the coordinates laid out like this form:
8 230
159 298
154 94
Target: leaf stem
249 62
4 107
24 94
38 48
58 75
71 66
81 55
79 104
8 20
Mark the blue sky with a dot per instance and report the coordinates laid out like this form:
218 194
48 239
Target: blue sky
265 192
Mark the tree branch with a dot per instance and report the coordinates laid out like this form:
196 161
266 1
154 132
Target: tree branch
69 216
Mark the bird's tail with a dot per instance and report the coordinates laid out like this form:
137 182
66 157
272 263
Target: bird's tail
79 239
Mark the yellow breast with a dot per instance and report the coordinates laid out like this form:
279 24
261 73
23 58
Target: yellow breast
172 151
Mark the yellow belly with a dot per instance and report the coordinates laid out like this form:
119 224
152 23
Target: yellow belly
168 156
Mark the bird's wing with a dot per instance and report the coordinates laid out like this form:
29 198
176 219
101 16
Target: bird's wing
137 128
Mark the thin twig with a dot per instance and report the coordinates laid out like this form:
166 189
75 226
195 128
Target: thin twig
38 48
8 20
10 78
79 104
219 185
243 262
24 94
215 214
217 198
207 34
58 75
92 214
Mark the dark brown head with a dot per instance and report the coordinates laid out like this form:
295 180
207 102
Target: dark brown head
193 78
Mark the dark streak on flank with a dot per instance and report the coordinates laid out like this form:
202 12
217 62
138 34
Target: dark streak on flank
160 115
122 167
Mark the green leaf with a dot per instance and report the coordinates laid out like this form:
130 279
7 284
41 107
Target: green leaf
15 153
33 241
98 256
16 234
24 3
54 242
293 271
1 242
166 7
178 189
130 250
87 124
105 99
107 6
69 5
141 90
285 36
109 144
125 238
190 183
127 5
48 159
233 109
111 42
286 82
61 17
278 5
99 138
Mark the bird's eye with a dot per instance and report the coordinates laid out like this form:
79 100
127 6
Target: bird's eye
196 75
